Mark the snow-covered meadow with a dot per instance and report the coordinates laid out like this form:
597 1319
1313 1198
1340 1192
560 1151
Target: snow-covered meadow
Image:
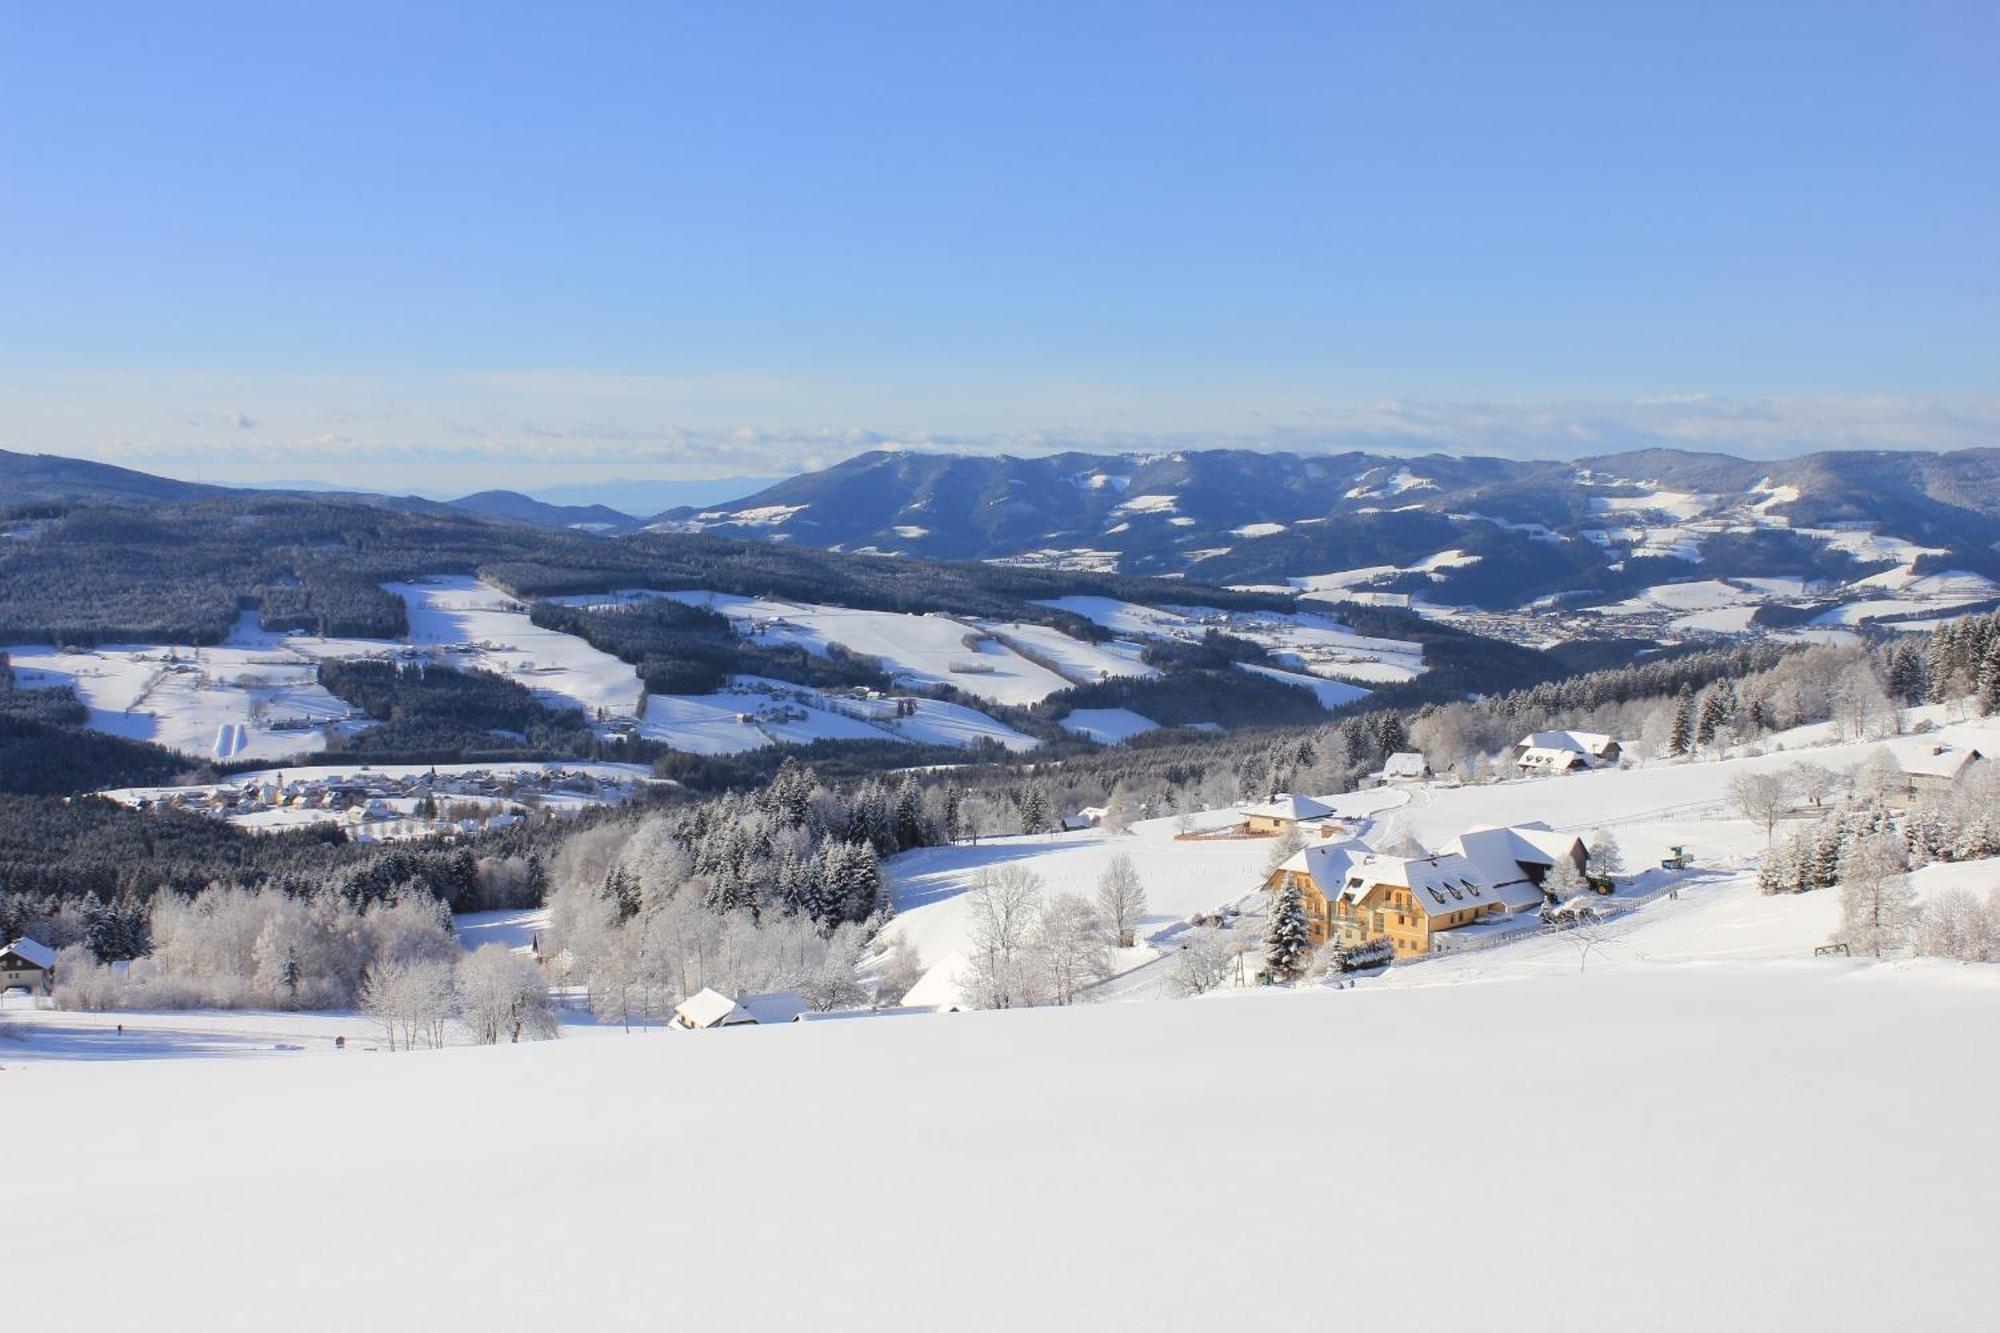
1718 1146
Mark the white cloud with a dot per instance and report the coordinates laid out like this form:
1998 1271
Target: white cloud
540 427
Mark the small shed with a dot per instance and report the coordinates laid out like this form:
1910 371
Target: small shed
710 1008
1405 766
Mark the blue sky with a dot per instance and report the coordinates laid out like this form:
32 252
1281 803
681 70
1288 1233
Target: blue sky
668 239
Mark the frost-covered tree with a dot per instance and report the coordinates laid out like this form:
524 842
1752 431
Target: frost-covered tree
1121 900
1202 963
1605 856
1069 948
898 970
1878 908
1564 882
1762 798
1003 907
1956 924
411 1000
1287 937
501 996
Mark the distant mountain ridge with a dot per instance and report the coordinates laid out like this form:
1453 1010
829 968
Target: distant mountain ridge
1481 531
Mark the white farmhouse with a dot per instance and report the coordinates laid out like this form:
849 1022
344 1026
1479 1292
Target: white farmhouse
27 965
1565 751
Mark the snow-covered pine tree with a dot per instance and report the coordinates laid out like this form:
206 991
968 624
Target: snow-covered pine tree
1034 809
1908 680
1680 736
909 816
1288 938
1712 718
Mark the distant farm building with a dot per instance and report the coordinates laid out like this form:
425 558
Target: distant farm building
1404 766
710 1008
1284 812
1353 895
1565 751
27 965
1937 769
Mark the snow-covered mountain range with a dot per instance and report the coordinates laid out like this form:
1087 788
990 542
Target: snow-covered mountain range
1903 532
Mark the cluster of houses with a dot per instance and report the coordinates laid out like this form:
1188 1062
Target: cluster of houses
360 799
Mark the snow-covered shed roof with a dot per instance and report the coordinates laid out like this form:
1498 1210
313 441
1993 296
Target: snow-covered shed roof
777 1007
1406 764
1593 743
1936 761
1287 806
710 1008
33 951
939 987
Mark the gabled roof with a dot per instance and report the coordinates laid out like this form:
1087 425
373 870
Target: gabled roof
940 987
33 951
1503 854
1593 743
1550 756
1405 764
1287 806
777 1007
1936 761
1439 884
710 1008
1326 864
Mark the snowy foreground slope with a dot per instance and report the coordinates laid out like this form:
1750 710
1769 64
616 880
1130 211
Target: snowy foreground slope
1724 1146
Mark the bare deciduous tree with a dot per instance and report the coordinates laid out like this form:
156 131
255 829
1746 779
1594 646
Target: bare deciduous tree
1761 798
1121 898
1878 908
501 996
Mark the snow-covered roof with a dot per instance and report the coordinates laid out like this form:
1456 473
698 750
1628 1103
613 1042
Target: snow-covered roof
34 951
1327 864
1439 884
710 1008
1936 761
1405 764
893 1011
939 987
1502 855
777 1007
1593 743
1287 806
1554 757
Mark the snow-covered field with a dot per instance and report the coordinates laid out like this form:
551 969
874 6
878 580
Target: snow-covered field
755 712
1317 644
923 649
1107 726
213 703
256 696
561 668
1718 1146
